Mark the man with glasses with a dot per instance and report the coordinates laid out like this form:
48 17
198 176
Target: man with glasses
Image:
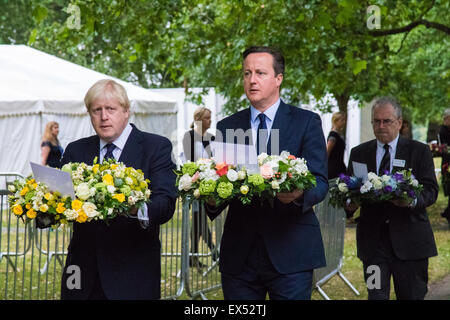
121 259
395 238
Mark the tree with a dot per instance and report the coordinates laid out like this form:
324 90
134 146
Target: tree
199 43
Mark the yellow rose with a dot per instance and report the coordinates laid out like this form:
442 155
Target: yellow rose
43 208
76 205
95 168
48 196
17 209
108 179
120 197
82 217
24 191
31 214
31 181
28 206
60 208
244 189
114 166
34 185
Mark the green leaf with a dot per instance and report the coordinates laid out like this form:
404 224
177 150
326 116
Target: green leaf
358 66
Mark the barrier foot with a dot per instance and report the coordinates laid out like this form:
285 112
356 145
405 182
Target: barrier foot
348 283
322 293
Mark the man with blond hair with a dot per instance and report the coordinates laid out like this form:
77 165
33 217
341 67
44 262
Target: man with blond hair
121 259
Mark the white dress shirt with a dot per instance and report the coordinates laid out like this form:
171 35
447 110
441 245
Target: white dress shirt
270 116
392 150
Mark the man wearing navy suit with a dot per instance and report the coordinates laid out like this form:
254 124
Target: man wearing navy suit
121 259
264 249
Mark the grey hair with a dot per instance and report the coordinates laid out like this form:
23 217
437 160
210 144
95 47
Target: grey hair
382 101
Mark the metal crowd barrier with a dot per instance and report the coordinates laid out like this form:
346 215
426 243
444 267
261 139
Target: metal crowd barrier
32 260
332 227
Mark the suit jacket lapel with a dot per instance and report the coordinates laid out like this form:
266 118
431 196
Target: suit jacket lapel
132 151
92 151
282 124
401 153
372 157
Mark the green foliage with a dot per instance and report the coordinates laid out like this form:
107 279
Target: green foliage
197 43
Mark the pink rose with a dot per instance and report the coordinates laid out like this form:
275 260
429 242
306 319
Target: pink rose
266 171
195 176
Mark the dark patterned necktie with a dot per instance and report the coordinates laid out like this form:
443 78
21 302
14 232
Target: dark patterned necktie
261 135
385 164
109 151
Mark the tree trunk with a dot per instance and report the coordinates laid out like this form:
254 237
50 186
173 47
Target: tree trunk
342 101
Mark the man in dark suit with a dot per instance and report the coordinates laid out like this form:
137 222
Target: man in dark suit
121 259
395 237
264 249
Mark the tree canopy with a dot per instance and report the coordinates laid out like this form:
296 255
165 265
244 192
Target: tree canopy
329 46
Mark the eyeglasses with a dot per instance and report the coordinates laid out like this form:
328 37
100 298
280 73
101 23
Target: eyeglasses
386 122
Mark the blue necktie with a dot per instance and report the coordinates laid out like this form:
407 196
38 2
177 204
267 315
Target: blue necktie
109 151
385 164
261 135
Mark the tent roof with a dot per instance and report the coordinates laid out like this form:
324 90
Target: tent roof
32 81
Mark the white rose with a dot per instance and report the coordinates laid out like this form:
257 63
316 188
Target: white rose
111 189
377 184
241 174
372 176
414 183
71 214
275 185
11 188
83 191
284 155
131 200
196 193
342 187
232 175
185 183
366 187
128 181
262 157
90 209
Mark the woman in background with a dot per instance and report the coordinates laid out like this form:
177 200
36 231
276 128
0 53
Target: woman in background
336 145
196 145
51 150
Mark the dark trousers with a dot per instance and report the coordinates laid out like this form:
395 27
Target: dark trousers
260 278
97 292
410 276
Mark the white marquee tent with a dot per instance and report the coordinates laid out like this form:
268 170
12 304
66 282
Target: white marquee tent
36 87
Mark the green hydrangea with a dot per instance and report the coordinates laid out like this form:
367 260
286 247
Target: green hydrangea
126 190
207 187
189 168
225 189
255 179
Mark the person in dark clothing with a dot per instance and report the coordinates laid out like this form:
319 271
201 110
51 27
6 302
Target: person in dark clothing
51 150
444 138
196 145
336 145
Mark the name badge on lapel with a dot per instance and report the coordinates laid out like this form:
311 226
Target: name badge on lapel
399 163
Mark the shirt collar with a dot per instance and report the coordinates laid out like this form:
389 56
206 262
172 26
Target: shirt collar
392 144
270 112
121 140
